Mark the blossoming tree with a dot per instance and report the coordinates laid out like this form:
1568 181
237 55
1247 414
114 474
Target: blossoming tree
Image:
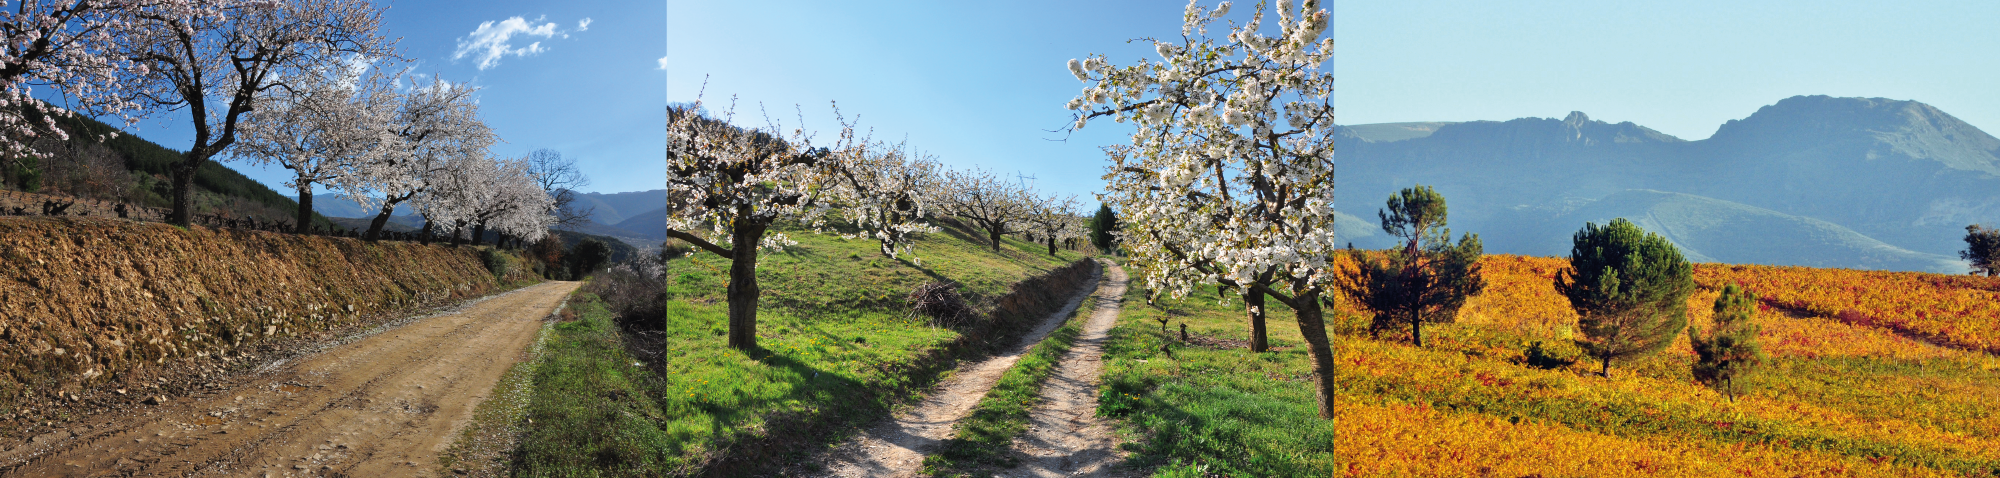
1052 217
68 45
435 125
886 191
1230 170
728 184
327 120
997 205
212 58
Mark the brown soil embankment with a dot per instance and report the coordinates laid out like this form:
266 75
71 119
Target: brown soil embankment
89 301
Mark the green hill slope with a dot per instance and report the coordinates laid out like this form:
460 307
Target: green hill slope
666 396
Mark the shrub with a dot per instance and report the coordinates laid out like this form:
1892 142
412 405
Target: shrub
940 301
1730 348
633 291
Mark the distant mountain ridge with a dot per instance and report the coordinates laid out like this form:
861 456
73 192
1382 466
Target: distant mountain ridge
1901 173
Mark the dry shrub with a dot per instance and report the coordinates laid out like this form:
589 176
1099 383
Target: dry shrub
632 290
940 301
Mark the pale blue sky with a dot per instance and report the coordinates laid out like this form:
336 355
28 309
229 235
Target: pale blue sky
595 95
1681 67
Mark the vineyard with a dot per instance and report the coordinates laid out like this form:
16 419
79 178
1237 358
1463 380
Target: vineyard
1852 385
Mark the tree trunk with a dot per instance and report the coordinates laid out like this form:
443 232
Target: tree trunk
1312 325
184 187
479 234
994 233
426 238
1254 306
743 282
305 208
381 219
1417 328
1052 245
1606 372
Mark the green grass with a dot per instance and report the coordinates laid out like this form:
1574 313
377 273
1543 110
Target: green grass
838 350
981 439
1198 411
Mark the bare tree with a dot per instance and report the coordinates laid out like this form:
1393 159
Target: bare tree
212 58
559 177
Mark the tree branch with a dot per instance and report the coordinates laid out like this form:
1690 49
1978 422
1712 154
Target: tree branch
704 244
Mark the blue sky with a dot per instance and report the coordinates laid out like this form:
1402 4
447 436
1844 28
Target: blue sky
981 83
596 94
978 83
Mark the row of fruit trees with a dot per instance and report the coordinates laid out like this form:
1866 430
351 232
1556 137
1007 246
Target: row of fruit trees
310 85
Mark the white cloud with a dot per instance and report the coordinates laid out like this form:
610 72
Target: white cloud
583 25
494 40
663 63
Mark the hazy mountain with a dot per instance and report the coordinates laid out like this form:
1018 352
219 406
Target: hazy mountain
1713 230
332 205
1897 172
614 208
652 224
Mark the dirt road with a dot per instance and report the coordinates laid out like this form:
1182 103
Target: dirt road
1065 437
896 447
383 405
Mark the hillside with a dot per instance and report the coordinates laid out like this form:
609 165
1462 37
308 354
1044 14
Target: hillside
1899 172
840 348
137 173
615 208
91 301
1713 230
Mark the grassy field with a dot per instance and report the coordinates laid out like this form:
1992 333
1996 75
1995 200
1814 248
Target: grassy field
1835 397
839 349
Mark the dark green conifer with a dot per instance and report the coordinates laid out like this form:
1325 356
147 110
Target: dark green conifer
1629 288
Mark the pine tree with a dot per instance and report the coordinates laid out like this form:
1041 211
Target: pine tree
1101 227
1629 288
1730 348
1982 249
1428 279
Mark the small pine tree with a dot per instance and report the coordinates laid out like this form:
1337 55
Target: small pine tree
1101 227
1629 288
1730 348
1426 281
1982 249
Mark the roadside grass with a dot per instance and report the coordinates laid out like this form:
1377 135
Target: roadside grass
837 351
1201 411
981 440
587 416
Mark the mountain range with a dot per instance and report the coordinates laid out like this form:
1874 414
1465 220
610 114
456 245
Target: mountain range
1867 183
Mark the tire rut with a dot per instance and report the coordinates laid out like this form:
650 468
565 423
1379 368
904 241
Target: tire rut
896 447
1065 437
382 405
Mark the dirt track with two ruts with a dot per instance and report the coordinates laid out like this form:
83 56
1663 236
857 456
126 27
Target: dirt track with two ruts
384 404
